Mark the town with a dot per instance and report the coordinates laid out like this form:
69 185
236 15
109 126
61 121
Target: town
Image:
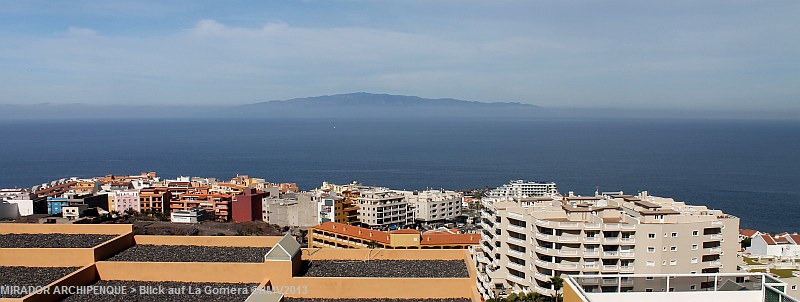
521 241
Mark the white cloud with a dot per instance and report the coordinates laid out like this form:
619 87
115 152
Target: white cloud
81 32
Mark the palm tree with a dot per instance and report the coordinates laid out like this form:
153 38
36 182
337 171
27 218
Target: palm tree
557 284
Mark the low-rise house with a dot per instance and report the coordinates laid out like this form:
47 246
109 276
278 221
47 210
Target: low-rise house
782 245
745 233
189 216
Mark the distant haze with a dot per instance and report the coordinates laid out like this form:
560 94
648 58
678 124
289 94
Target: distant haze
676 55
362 105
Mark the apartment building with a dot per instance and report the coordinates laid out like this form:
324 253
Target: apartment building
782 245
526 241
218 204
523 188
433 205
340 235
381 208
124 200
290 209
154 200
247 206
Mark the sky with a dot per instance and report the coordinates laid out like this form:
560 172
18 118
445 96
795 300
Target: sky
686 55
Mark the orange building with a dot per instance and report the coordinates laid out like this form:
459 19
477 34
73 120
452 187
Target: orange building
217 203
155 199
333 234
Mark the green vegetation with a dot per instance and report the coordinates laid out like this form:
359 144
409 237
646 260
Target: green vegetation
746 243
751 261
521 297
782 273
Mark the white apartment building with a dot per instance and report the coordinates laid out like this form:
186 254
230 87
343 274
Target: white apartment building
526 241
778 246
433 205
124 199
523 188
383 208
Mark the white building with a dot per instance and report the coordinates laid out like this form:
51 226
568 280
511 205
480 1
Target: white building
73 212
326 206
527 241
522 188
383 208
433 205
190 216
780 246
124 200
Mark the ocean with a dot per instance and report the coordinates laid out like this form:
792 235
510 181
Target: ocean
750 169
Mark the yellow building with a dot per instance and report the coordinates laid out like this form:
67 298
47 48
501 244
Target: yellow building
339 235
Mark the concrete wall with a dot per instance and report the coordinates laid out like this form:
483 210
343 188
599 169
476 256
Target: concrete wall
245 241
8 210
60 257
100 229
728 296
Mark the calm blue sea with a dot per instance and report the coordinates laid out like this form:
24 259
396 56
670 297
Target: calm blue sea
746 168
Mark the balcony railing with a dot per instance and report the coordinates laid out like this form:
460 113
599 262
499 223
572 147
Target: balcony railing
716 236
515 228
591 266
626 268
568 225
569 238
591 226
516 266
610 267
626 254
626 226
715 250
591 253
627 240
611 226
611 253
568 252
516 253
515 240
542 223
567 265
591 239
541 277
517 279
515 215
543 236
715 263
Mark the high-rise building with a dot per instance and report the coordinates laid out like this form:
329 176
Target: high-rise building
383 208
526 241
523 188
433 205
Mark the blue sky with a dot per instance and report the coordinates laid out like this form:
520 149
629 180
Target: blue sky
740 55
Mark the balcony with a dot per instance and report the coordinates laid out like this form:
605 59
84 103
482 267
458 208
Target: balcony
544 236
611 254
541 277
716 236
717 222
591 239
611 227
545 264
626 268
628 254
515 240
591 253
515 228
626 226
516 253
515 215
542 223
516 279
568 252
591 267
569 238
516 266
610 268
715 263
567 266
591 226
569 225
627 240
715 250
611 240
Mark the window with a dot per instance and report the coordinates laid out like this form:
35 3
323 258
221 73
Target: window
673 262
648 290
648 278
694 260
673 248
651 249
672 289
651 236
674 234
695 247
695 233
693 287
664 262
794 287
650 263
664 249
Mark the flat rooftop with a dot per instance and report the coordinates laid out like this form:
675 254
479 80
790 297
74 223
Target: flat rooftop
53 240
30 276
191 253
387 268
146 291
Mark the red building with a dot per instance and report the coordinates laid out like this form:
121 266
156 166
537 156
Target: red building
247 206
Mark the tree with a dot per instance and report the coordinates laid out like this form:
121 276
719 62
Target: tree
557 283
372 244
746 242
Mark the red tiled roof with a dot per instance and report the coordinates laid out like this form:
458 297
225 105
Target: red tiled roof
405 231
795 238
354 231
781 240
440 239
768 239
747 233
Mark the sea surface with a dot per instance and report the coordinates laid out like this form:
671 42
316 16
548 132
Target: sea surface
750 169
